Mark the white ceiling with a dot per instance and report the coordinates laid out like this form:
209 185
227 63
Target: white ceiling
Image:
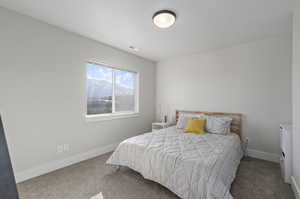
202 25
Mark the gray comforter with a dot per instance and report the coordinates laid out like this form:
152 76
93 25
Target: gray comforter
192 166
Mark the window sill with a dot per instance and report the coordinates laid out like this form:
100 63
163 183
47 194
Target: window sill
105 117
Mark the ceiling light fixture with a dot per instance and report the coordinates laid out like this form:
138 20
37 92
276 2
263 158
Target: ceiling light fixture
164 18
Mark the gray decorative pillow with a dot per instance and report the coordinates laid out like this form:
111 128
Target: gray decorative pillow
185 117
218 124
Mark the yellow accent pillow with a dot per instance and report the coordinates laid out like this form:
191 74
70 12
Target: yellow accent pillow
196 127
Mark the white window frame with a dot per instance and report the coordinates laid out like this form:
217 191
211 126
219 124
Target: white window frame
114 115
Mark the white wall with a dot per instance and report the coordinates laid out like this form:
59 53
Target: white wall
296 94
253 79
42 84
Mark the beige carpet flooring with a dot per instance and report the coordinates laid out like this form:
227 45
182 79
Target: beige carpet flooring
256 179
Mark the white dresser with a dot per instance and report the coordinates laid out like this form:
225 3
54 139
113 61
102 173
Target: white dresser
286 151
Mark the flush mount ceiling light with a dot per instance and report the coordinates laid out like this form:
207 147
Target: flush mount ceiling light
164 18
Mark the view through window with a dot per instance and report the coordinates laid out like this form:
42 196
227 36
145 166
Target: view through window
110 90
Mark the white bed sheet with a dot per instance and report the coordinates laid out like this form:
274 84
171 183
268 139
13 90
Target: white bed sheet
192 166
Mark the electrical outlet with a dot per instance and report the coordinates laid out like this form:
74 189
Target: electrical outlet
62 148
59 149
245 146
66 147
247 140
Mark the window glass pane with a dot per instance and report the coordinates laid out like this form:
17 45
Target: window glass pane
99 89
124 91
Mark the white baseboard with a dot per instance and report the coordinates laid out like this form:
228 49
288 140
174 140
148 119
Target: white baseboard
58 164
264 155
52 166
295 188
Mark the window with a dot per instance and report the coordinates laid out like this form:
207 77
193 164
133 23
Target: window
110 91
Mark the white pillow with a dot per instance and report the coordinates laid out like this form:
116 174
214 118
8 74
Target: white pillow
218 124
185 117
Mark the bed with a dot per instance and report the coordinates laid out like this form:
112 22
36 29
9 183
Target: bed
192 166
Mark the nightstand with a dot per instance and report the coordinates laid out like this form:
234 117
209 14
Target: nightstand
159 125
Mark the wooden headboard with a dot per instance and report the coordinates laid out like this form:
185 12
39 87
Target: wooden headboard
236 124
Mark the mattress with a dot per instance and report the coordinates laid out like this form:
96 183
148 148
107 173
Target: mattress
192 166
